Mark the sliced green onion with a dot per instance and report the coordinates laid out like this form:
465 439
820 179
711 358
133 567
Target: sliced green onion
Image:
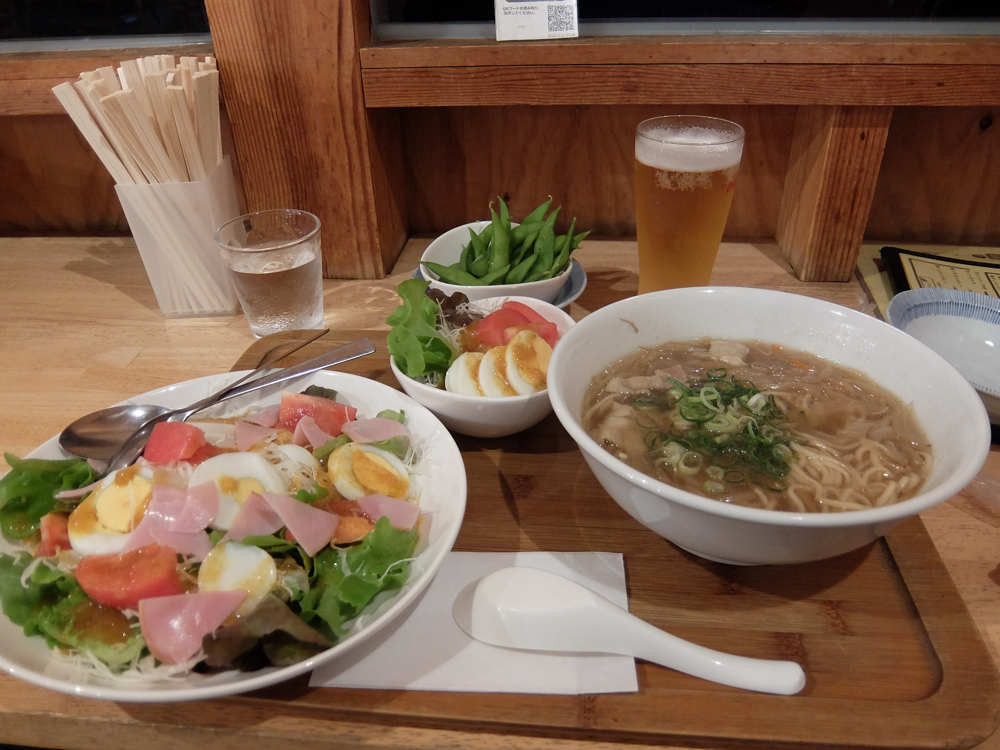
693 409
715 472
713 487
690 463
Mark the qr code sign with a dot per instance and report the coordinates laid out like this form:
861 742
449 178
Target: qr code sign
535 19
562 18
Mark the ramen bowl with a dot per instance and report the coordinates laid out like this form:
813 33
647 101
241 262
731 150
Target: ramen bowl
945 406
481 416
447 249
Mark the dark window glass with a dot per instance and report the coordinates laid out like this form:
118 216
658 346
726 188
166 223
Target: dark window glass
482 10
33 19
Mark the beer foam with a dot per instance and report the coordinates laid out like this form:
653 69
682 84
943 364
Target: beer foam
665 147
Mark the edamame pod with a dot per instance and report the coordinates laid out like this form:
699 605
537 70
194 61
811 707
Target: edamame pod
539 213
500 247
521 270
453 275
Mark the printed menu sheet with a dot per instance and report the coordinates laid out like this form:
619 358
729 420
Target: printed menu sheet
885 270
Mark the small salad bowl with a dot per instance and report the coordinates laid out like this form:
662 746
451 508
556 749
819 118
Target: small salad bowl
482 416
447 248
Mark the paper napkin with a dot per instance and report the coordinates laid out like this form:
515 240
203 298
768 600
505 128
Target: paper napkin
425 650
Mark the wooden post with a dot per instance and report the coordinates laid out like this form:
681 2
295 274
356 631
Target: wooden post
291 82
833 166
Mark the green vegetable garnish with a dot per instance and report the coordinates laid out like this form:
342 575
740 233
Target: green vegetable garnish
414 342
725 425
28 491
52 604
343 581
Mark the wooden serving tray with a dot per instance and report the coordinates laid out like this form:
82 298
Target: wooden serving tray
892 657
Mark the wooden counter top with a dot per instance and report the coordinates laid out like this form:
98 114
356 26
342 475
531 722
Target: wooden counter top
81 330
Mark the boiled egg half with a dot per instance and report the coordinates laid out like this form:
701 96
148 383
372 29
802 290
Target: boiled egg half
236 475
357 470
516 369
232 566
102 523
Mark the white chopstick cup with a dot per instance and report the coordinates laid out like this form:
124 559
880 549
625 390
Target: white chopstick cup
173 224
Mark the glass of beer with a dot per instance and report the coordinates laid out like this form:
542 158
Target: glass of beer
685 172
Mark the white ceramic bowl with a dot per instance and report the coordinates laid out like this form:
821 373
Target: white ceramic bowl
447 248
440 478
481 416
945 405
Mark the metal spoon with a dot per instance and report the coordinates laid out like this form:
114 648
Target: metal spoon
532 609
133 447
101 434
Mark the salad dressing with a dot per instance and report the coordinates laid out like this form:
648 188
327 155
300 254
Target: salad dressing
101 623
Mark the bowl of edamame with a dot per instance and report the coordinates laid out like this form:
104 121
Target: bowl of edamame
499 257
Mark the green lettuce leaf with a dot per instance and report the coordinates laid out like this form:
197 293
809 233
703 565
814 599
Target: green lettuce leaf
414 342
27 492
50 604
345 581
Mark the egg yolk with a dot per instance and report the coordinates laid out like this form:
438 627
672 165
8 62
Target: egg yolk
377 474
238 489
531 354
121 505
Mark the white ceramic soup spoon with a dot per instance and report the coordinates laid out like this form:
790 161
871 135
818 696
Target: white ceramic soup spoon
533 609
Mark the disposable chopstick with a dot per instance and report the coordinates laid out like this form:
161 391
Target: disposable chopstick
206 99
117 111
156 85
91 99
186 131
78 112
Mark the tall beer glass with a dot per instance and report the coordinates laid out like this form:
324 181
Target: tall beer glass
685 172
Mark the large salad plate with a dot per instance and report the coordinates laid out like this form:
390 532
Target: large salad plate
439 475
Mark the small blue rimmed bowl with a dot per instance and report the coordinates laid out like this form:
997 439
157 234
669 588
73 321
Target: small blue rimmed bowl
961 326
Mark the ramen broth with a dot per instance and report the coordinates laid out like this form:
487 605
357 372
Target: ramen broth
758 425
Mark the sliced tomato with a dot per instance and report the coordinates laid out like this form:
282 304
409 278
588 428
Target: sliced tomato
173 441
329 415
55 534
527 311
492 330
123 580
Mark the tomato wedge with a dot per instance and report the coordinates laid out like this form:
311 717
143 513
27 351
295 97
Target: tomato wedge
329 415
123 580
173 441
492 330
55 534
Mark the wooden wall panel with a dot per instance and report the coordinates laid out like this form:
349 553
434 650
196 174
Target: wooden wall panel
52 183
291 82
459 158
940 177
825 204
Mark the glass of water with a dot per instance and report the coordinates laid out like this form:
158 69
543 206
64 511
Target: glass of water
276 266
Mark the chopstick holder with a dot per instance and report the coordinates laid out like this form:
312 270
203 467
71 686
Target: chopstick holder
155 126
173 224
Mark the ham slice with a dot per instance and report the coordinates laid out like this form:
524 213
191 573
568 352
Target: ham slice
401 514
312 527
177 518
174 626
374 430
265 417
193 545
249 434
307 432
255 518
